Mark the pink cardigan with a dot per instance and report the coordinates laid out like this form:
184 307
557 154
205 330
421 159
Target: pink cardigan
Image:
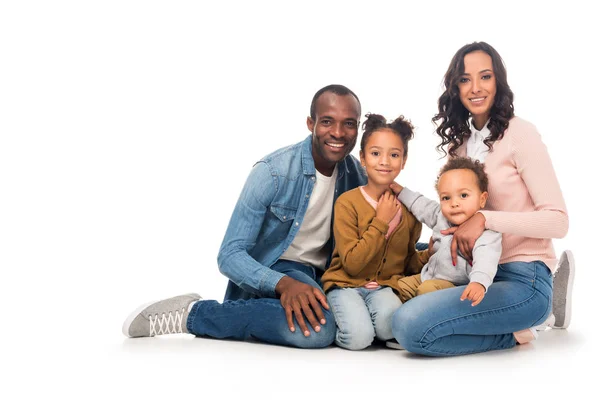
525 202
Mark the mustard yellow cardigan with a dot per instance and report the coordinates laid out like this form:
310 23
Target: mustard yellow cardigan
363 254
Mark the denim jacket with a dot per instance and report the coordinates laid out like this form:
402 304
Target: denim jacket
268 215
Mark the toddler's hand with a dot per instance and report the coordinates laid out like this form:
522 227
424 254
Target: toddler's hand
396 188
474 292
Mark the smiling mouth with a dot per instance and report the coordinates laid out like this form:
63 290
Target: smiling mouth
384 171
477 99
335 145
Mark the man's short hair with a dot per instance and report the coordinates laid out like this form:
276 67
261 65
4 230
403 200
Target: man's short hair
340 90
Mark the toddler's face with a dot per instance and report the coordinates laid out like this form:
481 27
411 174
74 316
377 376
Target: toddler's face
460 196
383 157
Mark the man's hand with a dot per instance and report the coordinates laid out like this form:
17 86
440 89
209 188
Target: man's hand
465 236
474 292
299 299
387 207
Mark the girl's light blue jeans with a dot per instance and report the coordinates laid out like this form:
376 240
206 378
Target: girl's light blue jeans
362 315
439 324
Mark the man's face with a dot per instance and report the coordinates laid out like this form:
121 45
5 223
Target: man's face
334 129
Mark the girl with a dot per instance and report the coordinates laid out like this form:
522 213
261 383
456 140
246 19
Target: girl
525 204
375 238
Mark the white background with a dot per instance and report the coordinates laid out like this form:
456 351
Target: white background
127 129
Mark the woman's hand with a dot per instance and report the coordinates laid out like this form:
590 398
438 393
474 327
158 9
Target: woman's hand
465 236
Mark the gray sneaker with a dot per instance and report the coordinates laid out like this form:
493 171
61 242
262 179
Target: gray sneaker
563 290
160 317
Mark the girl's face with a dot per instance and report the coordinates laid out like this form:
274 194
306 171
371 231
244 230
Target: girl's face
383 157
477 86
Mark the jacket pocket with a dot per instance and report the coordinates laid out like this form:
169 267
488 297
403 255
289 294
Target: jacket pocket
284 214
278 223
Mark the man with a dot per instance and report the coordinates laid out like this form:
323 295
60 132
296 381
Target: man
278 241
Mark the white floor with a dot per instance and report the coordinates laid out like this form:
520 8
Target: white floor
263 371
100 363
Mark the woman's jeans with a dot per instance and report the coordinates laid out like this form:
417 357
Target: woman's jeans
262 319
439 324
362 315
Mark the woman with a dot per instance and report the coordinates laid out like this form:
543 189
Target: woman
476 119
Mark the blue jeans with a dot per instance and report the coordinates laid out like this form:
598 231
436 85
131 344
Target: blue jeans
421 246
439 324
261 318
362 314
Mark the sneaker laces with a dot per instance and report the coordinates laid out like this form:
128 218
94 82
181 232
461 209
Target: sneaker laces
166 323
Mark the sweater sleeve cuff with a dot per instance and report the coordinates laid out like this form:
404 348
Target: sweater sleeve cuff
482 278
380 225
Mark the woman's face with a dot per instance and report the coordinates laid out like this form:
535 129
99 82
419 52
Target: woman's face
477 86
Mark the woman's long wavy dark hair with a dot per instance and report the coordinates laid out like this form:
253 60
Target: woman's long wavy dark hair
454 126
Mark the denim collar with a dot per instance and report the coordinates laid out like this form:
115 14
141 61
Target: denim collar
308 162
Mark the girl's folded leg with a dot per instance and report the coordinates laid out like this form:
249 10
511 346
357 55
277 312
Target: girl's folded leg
355 329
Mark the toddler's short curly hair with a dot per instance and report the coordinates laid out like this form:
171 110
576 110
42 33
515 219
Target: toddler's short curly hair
466 163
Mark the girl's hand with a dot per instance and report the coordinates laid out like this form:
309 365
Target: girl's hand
474 292
387 207
465 236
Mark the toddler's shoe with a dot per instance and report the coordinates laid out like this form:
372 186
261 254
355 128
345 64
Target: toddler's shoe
548 323
393 344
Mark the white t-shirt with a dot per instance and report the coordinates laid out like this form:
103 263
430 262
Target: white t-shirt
476 149
308 246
